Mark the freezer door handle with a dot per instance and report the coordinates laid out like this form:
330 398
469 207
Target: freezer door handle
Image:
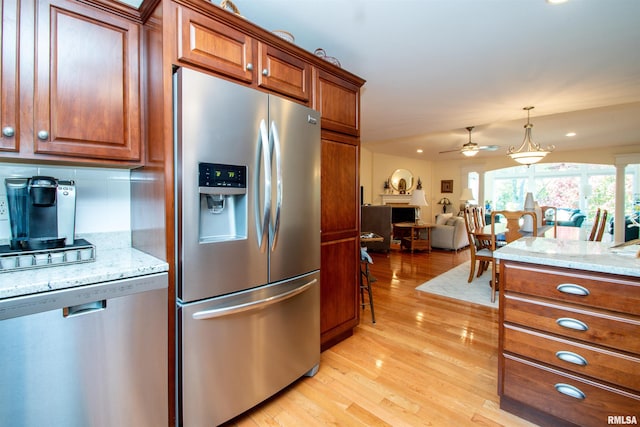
253 305
262 219
274 140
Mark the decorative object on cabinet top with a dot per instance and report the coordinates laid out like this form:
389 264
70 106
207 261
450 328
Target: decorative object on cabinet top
285 35
228 4
322 54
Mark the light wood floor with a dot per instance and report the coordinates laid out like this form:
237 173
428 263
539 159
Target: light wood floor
427 361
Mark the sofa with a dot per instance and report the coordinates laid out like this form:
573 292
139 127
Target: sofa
449 232
568 217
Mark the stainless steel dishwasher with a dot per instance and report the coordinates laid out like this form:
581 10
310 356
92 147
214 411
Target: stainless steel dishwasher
93 355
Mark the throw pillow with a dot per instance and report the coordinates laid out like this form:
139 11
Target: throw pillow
442 218
451 221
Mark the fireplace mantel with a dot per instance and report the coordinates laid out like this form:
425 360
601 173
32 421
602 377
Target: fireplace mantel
389 199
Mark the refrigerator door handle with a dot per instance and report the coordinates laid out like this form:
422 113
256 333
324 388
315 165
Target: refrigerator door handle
253 305
262 219
274 140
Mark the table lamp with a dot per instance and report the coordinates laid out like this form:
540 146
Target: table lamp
466 195
444 202
418 199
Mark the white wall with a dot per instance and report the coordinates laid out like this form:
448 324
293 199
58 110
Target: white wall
103 195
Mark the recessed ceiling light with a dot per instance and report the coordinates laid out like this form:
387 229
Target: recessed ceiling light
556 1
419 150
570 134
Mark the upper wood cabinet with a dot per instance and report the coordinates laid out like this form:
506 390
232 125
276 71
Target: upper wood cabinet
86 83
215 46
283 73
338 101
208 43
9 106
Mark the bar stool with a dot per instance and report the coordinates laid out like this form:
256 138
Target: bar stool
366 279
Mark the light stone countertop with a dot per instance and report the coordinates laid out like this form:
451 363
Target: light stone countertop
575 254
114 260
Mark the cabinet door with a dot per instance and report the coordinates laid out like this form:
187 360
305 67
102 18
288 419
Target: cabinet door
339 103
87 93
210 44
283 73
339 312
8 72
340 239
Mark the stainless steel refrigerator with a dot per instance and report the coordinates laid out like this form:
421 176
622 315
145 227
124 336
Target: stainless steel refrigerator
248 241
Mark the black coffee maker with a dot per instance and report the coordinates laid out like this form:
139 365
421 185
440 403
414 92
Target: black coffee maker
41 212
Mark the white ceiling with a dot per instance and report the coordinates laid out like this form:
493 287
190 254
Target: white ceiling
434 67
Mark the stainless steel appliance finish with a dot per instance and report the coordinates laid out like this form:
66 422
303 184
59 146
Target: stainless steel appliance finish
249 240
88 356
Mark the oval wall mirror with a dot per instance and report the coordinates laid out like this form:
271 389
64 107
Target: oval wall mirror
401 181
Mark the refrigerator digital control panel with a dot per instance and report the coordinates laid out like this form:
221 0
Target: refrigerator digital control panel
219 175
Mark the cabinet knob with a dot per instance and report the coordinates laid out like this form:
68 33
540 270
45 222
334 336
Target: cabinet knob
8 131
43 135
265 72
250 66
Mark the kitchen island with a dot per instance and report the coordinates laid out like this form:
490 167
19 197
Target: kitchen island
569 344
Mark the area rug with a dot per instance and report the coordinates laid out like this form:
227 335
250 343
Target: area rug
453 284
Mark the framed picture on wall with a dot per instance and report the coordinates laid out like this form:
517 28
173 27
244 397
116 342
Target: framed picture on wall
446 186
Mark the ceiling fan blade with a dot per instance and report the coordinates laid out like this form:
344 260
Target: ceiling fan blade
457 150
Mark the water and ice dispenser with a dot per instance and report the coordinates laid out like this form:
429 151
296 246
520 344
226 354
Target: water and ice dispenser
223 202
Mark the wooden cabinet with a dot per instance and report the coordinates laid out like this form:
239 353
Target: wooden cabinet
340 237
87 84
211 44
569 344
79 83
9 106
338 100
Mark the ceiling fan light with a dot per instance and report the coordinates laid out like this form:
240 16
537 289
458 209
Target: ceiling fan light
469 153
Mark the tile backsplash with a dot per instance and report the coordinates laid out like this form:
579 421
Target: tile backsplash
103 195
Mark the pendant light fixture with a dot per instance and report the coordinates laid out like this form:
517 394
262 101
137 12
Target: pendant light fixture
529 152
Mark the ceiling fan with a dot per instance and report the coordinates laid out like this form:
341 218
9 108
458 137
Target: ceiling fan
470 149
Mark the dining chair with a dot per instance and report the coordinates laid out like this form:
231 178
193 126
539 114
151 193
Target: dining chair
594 228
480 251
509 230
603 225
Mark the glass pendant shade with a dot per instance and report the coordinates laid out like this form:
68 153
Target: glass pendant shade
529 152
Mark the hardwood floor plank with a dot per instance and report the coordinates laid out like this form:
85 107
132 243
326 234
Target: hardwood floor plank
428 361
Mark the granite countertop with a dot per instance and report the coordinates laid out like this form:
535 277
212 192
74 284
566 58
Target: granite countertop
112 262
576 254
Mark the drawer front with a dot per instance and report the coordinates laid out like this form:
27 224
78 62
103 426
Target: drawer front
610 292
568 397
601 328
613 367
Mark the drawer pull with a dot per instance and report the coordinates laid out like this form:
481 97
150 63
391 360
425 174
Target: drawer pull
570 391
569 323
573 289
571 357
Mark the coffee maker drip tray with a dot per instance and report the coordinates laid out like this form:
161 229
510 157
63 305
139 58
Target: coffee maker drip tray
17 259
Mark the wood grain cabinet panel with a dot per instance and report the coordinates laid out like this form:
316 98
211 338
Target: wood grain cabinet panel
208 43
9 106
339 103
87 83
339 312
283 73
568 356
